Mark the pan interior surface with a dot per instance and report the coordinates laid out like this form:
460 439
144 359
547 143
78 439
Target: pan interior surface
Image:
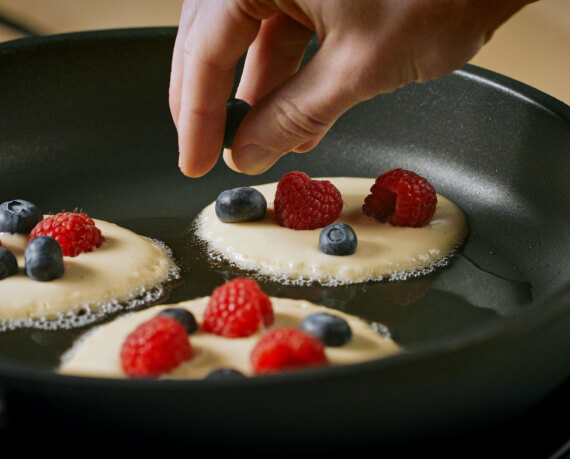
86 125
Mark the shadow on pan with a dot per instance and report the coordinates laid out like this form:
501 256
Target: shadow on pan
487 337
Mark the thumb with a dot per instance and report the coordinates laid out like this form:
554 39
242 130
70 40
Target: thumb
296 115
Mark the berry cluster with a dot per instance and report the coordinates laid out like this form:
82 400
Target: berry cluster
49 239
398 197
238 308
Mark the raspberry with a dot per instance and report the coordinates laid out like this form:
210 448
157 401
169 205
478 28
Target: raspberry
155 347
302 203
75 232
402 198
237 309
287 348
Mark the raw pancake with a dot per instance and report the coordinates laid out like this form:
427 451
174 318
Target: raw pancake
125 267
291 256
97 353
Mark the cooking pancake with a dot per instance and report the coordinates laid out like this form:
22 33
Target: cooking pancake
384 251
123 270
97 353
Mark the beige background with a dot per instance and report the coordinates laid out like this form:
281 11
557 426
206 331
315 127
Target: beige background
533 47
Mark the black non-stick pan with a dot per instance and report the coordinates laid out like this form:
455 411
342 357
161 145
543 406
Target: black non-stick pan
84 123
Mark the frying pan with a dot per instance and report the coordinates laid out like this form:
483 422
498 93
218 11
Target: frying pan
85 124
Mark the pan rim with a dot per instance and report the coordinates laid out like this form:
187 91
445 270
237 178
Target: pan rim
468 70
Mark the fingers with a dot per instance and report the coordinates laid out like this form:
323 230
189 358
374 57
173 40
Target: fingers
296 114
176 74
214 35
273 57
367 48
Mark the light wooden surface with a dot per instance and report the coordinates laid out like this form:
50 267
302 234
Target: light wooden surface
532 47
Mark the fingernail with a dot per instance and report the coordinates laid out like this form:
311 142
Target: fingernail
255 159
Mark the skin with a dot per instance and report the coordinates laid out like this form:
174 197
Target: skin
367 47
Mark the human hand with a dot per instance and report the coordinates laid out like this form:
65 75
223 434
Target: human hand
366 47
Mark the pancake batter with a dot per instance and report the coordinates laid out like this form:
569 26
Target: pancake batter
97 353
126 268
293 256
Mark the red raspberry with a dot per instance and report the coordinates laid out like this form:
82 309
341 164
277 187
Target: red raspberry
155 347
237 309
75 232
302 203
402 198
287 348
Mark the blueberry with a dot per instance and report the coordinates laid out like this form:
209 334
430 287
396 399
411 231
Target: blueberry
183 316
44 259
223 373
330 329
19 216
338 239
8 263
236 109
242 204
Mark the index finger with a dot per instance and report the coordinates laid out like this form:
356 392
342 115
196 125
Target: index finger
218 33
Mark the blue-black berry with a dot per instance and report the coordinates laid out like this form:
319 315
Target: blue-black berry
338 239
242 204
332 330
236 109
19 216
183 316
44 259
223 373
8 263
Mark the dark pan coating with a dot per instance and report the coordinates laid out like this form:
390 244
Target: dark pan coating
85 124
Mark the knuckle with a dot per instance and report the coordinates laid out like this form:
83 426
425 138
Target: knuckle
258 9
299 124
